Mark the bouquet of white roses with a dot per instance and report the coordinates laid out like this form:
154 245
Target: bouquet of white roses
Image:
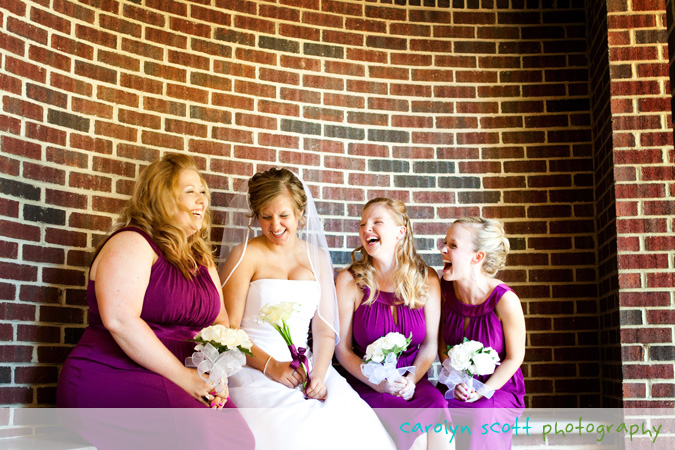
379 362
466 360
277 315
219 353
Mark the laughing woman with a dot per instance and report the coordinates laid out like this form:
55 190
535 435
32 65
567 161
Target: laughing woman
479 307
390 289
152 286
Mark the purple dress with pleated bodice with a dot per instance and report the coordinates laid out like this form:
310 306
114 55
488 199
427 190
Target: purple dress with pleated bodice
99 374
482 325
369 324
485 327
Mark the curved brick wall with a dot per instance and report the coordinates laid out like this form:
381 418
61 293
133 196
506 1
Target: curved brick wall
456 108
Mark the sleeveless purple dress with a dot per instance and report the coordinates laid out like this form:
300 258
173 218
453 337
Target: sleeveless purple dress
374 321
484 326
97 372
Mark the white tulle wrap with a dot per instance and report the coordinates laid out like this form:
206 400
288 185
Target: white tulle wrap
385 370
452 377
216 367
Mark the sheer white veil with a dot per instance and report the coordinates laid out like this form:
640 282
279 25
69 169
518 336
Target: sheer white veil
241 225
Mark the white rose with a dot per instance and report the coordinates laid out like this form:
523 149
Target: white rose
472 346
242 340
228 338
459 360
398 340
493 354
378 356
211 333
484 364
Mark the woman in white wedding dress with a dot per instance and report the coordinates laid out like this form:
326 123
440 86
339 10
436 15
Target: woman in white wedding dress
280 266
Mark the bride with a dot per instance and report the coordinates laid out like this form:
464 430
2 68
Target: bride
284 405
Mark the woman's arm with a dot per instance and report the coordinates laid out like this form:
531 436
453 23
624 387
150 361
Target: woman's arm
323 335
510 313
122 274
235 292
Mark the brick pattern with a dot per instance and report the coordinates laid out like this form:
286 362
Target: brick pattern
643 155
605 215
457 108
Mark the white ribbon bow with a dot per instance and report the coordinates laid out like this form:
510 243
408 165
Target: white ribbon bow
452 377
217 365
386 370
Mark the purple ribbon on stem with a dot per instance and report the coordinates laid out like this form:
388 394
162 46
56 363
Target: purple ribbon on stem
299 357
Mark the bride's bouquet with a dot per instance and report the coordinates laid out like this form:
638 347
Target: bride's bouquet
277 315
466 360
379 362
219 354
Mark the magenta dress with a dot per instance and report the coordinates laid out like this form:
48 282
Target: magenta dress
97 372
484 326
427 404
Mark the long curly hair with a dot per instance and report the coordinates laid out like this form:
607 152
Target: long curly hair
410 273
153 206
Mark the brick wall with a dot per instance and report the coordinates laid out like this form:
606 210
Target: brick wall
455 107
605 215
642 137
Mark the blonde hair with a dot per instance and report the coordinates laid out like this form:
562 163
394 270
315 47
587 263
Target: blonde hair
410 274
488 237
263 187
152 208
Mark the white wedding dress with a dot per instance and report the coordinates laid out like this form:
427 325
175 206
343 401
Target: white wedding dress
280 417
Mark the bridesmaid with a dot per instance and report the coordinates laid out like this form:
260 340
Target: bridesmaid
481 308
152 286
390 289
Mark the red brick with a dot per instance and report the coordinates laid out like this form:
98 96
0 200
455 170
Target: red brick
254 24
27 30
299 158
142 49
115 131
25 69
89 222
20 147
164 106
73 47
637 372
84 142
9 208
162 140
254 153
645 335
120 25
660 390
661 280
139 119
277 140
77 11
90 181
308 33
368 179
40 294
641 225
211 15
256 121
165 38
233 135
89 107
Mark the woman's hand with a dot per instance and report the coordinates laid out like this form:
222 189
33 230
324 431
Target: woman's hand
316 389
199 389
408 390
282 372
219 399
466 394
390 387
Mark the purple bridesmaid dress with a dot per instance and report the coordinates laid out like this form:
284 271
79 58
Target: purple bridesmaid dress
483 326
98 374
427 405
